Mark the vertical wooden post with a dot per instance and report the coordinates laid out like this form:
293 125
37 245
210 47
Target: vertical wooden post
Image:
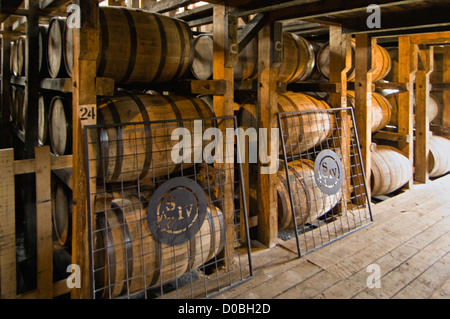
340 61
86 48
7 226
421 117
6 100
407 66
266 110
32 75
363 98
446 92
44 223
223 106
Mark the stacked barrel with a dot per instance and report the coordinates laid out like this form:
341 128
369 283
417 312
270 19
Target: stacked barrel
438 157
138 50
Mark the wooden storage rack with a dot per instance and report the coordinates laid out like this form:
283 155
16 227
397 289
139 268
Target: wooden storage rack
326 18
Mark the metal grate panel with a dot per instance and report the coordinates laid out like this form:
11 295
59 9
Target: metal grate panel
161 228
323 175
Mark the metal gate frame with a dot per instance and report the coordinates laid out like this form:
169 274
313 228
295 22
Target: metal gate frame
238 211
355 148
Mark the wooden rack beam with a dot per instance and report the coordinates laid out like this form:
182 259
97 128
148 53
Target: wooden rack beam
422 127
86 47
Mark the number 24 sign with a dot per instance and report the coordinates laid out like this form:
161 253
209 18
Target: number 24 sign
88 112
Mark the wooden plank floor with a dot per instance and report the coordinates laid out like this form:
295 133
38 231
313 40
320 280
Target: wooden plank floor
409 241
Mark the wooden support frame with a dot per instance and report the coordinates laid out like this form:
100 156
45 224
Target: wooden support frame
223 106
42 166
266 116
422 127
407 53
446 91
363 97
86 46
340 62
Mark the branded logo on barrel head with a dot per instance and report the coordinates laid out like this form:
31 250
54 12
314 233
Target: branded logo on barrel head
328 172
176 211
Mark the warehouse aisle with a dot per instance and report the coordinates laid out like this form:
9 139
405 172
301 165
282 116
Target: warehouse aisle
407 248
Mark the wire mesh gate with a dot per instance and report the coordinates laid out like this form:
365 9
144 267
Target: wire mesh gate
163 220
322 188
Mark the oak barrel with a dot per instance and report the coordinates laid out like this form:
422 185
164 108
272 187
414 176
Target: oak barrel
298 59
392 75
43 113
138 46
43 47
309 201
439 156
68 49
202 65
390 170
60 125
55 47
381 109
130 259
381 62
301 132
19 56
61 213
18 107
127 153
433 108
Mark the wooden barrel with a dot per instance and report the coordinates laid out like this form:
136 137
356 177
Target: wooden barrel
439 156
298 59
202 65
61 213
381 62
68 49
12 56
380 109
323 61
43 58
60 125
129 153
55 48
19 101
301 132
19 56
316 75
141 47
43 113
129 258
433 108
309 201
392 75
390 170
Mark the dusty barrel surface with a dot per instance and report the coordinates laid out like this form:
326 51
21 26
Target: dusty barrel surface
43 114
18 56
55 47
439 156
131 152
61 213
142 47
309 201
60 125
301 131
381 62
130 258
202 65
381 109
298 59
390 170
433 108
